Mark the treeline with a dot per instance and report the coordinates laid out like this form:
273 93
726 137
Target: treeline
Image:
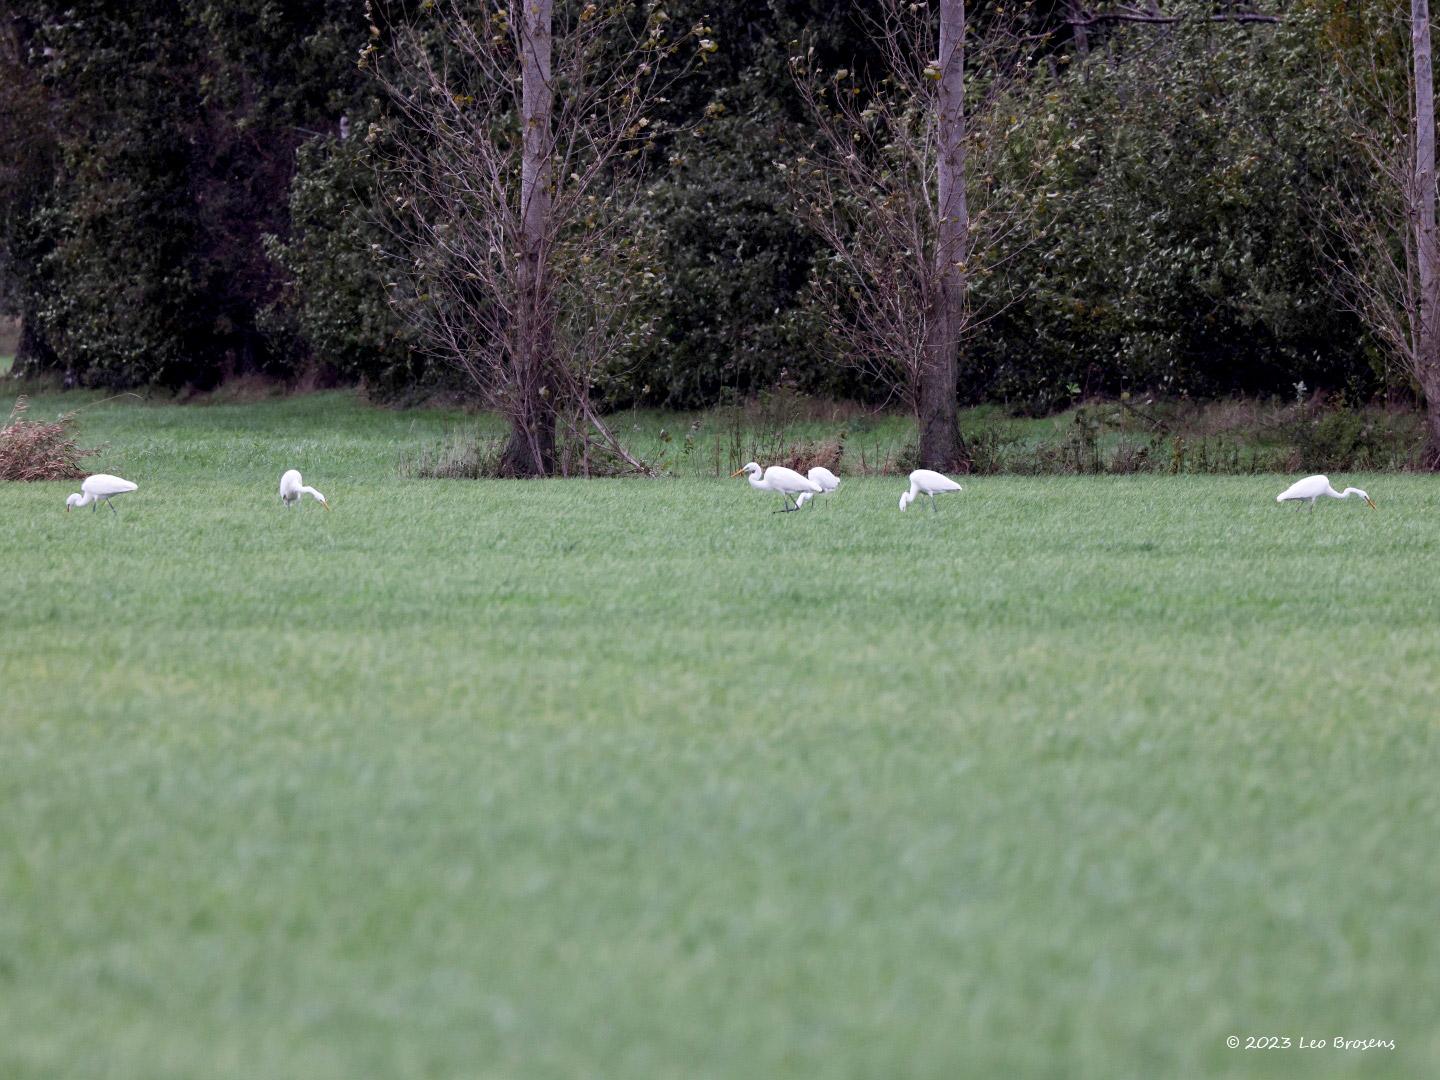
193 190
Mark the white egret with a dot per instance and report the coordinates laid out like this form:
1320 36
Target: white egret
787 482
926 482
102 487
827 480
1313 487
292 487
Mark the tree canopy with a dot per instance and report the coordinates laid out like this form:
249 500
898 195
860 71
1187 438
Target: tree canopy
193 190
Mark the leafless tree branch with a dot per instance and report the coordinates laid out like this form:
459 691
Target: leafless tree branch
514 149
1079 17
898 185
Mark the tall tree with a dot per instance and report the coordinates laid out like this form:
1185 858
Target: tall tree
531 451
1388 262
940 443
1427 253
518 138
890 185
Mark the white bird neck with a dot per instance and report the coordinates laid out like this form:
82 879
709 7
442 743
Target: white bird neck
757 481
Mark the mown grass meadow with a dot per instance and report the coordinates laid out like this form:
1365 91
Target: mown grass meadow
1076 777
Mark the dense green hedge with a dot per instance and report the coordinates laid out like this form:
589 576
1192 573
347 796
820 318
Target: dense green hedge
1183 191
336 300
170 134
178 207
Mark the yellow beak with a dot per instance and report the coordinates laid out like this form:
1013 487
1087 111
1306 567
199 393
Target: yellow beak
326 505
737 472
1371 502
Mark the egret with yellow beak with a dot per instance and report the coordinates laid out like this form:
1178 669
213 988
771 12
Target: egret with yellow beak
1313 487
787 482
292 487
102 487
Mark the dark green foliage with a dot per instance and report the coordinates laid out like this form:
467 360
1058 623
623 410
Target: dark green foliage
736 267
337 302
103 265
1184 179
28 152
732 314
174 128
176 205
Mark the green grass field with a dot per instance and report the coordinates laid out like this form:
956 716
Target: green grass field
1074 778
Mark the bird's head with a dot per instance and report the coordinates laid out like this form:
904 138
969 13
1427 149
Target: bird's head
752 468
905 500
1367 498
73 500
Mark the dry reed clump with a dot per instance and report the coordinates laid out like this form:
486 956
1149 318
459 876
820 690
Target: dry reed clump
803 455
34 450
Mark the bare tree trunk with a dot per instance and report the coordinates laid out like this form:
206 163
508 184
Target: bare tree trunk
531 450
1427 253
940 443
1075 12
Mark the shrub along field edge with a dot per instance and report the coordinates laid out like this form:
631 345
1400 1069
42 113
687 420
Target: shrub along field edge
1119 436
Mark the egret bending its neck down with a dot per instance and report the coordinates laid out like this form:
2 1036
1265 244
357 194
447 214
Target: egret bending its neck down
102 487
1315 487
927 482
292 487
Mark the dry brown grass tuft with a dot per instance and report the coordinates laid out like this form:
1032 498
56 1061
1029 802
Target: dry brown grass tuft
804 455
34 450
